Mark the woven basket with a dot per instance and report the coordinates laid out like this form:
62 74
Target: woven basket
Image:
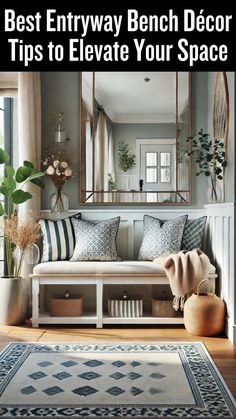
204 313
66 307
130 307
163 308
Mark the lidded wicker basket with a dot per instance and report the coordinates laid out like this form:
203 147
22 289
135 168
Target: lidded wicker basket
204 313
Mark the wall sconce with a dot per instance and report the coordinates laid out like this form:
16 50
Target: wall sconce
60 133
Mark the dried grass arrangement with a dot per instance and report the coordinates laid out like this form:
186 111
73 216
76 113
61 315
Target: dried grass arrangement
22 236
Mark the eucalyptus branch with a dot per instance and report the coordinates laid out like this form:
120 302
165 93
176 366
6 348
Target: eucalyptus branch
209 155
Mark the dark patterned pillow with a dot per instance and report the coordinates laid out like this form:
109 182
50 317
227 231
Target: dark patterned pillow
161 238
193 234
95 241
58 239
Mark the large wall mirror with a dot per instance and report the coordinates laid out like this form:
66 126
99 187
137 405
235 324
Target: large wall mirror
134 127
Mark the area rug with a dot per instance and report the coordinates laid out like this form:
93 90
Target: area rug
126 380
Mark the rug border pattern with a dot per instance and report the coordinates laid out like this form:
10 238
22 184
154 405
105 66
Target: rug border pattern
214 400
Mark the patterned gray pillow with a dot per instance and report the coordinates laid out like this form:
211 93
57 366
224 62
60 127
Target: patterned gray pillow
161 238
95 241
193 234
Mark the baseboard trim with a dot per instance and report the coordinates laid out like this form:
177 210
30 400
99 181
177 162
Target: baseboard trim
230 330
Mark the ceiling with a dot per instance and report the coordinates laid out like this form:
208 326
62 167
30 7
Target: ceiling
141 97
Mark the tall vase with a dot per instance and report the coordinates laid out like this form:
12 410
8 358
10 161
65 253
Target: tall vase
14 300
214 192
59 201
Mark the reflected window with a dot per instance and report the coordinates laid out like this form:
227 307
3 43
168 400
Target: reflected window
165 159
151 159
165 167
151 167
165 175
151 175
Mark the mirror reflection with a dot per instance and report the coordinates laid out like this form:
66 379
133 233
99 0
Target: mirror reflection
134 127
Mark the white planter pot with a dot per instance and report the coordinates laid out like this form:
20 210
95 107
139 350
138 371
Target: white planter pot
13 300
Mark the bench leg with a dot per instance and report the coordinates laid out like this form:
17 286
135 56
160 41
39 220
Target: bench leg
99 303
35 302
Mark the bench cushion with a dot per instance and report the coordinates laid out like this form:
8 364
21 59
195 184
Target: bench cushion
90 267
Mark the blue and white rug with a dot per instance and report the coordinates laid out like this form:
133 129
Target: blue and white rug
126 380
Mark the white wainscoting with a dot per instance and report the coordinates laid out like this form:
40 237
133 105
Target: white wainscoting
219 243
221 250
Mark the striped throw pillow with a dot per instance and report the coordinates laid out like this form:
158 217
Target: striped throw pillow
58 239
193 234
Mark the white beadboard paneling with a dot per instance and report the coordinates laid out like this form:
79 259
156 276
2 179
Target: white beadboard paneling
221 247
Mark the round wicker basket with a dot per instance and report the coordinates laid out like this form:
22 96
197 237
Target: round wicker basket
204 313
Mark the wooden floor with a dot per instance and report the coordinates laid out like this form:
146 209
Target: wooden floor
221 350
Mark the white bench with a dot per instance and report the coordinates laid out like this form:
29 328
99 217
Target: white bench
99 274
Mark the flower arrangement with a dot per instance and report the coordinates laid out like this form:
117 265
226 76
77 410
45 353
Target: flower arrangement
21 236
126 158
58 168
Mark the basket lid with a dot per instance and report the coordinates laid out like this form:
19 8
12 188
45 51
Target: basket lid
120 297
63 297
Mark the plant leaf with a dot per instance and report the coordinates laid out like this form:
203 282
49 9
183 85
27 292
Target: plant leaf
4 156
218 170
38 182
23 173
3 190
20 196
1 209
10 184
10 171
28 164
35 176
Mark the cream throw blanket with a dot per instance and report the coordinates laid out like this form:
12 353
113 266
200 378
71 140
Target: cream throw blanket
184 270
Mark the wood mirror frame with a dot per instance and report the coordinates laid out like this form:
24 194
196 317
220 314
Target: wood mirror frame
90 195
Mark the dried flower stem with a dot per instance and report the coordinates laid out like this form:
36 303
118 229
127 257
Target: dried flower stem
19 237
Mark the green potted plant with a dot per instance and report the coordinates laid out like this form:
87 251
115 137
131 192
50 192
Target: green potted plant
12 287
111 182
209 155
126 158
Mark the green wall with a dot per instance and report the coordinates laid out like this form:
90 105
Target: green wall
60 92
